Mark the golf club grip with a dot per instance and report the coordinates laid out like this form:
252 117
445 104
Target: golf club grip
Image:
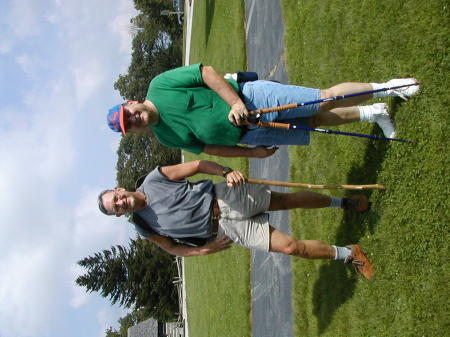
318 187
274 125
276 108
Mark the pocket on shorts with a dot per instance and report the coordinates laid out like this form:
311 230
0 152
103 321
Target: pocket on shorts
252 233
242 201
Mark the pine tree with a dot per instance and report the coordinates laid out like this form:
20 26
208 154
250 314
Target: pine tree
140 277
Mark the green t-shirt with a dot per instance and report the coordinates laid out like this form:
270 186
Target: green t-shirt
190 114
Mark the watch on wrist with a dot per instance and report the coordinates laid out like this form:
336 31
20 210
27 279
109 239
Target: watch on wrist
226 170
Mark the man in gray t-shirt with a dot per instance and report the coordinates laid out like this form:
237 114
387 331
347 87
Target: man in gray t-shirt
176 209
169 208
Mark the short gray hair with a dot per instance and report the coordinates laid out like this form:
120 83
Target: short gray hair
101 206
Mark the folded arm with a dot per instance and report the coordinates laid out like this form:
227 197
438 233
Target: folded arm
239 151
188 169
174 248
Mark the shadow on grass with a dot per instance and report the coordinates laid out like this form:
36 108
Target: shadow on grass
336 284
209 15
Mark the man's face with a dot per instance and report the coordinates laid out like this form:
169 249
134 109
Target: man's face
119 202
136 116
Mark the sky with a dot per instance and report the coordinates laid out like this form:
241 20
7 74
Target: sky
59 60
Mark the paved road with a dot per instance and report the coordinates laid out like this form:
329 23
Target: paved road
271 273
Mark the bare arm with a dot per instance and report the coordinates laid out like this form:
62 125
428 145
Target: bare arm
185 170
239 151
174 248
216 82
188 169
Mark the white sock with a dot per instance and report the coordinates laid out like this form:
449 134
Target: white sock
336 202
228 76
385 93
342 252
365 113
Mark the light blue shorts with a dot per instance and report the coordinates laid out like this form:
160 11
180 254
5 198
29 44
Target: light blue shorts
267 94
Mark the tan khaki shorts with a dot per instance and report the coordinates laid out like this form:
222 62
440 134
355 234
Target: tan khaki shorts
242 216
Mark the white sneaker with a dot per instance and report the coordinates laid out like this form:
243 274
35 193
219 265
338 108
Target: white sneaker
405 92
380 115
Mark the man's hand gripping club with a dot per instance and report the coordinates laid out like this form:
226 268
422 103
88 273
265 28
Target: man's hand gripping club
238 114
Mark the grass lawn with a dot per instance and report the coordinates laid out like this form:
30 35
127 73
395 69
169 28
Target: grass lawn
218 285
218 35
407 230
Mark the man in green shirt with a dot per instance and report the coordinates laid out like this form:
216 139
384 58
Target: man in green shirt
195 109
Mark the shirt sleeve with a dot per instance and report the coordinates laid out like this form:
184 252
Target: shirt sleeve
143 232
141 226
156 175
182 77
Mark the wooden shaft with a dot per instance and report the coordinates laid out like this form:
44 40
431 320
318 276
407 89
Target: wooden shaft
318 187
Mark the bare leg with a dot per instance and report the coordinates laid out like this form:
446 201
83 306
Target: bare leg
301 199
344 89
336 116
308 249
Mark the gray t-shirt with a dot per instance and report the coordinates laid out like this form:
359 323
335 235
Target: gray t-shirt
177 209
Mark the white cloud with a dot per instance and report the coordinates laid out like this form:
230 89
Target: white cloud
79 295
51 18
114 144
19 19
25 62
30 290
5 44
120 25
88 77
44 145
24 18
40 136
41 272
